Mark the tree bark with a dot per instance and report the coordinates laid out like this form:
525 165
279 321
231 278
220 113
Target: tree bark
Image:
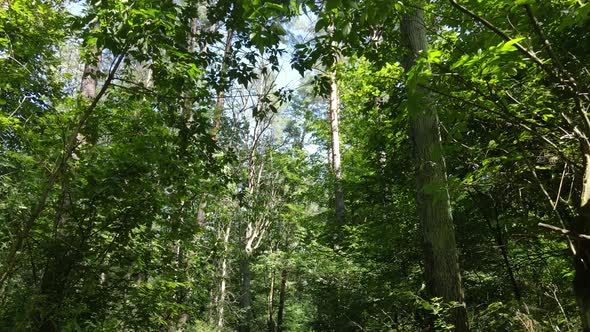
335 140
441 267
271 305
89 77
282 294
222 286
582 258
246 296
218 112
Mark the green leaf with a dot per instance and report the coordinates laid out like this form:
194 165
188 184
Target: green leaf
346 29
509 45
92 40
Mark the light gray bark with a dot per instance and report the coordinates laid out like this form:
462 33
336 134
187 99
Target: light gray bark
221 92
222 285
335 140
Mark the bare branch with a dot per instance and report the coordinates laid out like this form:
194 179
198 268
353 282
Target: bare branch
564 231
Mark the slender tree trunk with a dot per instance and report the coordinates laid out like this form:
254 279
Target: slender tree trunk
582 258
335 140
221 90
187 114
222 285
214 299
503 244
490 213
433 204
282 294
177 322
59 264
217 301
271 306
246 296
89 77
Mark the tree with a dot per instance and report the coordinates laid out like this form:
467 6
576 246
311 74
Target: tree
441 267
333 112
560 85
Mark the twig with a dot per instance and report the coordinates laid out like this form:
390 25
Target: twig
560 186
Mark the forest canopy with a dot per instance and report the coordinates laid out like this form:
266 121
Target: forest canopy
305 165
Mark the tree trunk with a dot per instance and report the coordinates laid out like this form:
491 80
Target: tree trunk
441 268
503 244
282 294
89 76
222 286
489 210
221 90
335 140
582 258
246 296
271 306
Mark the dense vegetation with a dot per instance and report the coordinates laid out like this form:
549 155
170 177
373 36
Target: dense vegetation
339 165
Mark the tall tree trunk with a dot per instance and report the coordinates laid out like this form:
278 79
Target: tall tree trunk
271 305
441 267
222 284
246 296
582 258
181 294
503 245
335 140
89 75
218 112
282 295
217 302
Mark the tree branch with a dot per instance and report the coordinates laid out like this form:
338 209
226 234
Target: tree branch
71 143
564 231
501 34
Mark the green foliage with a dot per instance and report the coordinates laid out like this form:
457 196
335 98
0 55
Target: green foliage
163 196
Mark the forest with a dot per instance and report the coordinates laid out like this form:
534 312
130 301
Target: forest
294 165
